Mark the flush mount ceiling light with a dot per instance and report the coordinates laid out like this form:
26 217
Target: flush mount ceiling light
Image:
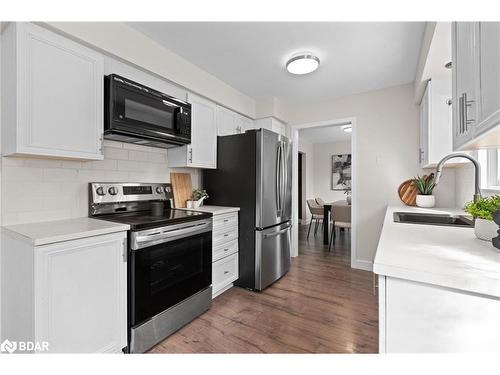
302 63
347 128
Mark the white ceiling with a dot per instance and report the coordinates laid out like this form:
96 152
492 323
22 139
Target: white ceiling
250 56
325 134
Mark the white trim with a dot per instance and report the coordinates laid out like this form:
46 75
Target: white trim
355 263
361 264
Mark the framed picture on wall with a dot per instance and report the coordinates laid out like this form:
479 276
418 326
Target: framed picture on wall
341 172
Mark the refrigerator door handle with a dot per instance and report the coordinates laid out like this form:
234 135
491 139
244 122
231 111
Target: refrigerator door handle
284 230
283 173
278 180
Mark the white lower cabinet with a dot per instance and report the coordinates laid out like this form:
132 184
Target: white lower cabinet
71 295
422 318
225 252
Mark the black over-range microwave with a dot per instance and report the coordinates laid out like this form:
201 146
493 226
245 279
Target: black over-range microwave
138 114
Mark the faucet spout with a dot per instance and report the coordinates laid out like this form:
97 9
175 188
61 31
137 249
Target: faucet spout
477 170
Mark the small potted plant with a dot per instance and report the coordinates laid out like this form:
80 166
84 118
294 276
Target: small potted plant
425 186
482 211
198 196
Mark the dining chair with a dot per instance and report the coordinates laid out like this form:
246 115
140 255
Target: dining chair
341 218
320 201
316 215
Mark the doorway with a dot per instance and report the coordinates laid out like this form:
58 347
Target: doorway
297 209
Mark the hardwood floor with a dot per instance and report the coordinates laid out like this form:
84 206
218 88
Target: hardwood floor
320 306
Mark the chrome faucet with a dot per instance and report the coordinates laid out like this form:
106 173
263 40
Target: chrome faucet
477 175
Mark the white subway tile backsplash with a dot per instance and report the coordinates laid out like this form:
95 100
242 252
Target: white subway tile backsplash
21 174
47 189
53 174
42 163
138 155
115 153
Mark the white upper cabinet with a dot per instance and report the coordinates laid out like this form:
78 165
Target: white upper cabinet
489 75
435 122
464 67
202 152
229 122
52 95
476 85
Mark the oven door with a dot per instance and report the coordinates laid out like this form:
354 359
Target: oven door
167 266
134 109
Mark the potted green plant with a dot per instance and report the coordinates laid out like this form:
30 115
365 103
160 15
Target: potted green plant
482 211
197 198
425 186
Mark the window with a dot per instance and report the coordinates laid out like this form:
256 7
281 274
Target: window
490 168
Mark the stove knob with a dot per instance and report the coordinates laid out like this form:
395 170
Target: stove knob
159 190
100 191
168 190
112 190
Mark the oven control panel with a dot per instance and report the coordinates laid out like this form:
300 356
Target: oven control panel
109 192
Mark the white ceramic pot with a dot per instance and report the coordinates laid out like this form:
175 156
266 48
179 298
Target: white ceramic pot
348 199
426 201
190 204
485 229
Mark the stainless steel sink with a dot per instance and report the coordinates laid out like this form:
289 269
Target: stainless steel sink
433 219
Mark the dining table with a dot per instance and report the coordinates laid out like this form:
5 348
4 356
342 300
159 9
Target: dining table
327 210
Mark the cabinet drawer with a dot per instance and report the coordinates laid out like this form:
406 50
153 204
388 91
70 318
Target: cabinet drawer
219 238
222 222
224 250
224 272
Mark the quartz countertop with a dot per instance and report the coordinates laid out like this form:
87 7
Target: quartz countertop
440 255
44 233
214 210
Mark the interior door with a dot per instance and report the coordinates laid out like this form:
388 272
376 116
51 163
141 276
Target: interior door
272 254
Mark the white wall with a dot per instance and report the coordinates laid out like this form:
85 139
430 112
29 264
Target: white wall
387 141
307 148
322 169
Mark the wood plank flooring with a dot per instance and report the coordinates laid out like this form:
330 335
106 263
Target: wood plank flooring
320 306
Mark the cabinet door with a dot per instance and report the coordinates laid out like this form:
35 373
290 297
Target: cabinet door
425 126
226 124
60 94
81 295
489 75
203 148
424 318
464 51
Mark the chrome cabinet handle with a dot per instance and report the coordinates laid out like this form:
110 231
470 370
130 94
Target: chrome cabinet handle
190 155
467 104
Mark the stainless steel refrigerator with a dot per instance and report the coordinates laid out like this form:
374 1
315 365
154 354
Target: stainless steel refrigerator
254 172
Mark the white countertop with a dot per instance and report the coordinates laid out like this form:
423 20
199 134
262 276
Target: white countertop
214 210
446 256
64 230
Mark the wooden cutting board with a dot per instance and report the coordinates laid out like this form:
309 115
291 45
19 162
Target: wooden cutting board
182 187
408 191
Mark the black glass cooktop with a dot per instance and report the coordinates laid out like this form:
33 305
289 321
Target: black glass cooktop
145 219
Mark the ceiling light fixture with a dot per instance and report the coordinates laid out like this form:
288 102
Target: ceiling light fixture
347 128
302 63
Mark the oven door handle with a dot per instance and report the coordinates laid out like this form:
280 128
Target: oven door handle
140 242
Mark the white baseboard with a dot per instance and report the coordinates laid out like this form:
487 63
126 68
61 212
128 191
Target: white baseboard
362 265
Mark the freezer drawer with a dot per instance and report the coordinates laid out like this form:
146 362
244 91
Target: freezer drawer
272 254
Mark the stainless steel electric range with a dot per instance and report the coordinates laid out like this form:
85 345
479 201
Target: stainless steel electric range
169 258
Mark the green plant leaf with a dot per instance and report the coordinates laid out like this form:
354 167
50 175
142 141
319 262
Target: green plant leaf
484 207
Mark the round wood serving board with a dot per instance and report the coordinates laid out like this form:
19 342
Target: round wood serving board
408 191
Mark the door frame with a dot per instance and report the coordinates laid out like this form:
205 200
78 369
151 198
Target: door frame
294 128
